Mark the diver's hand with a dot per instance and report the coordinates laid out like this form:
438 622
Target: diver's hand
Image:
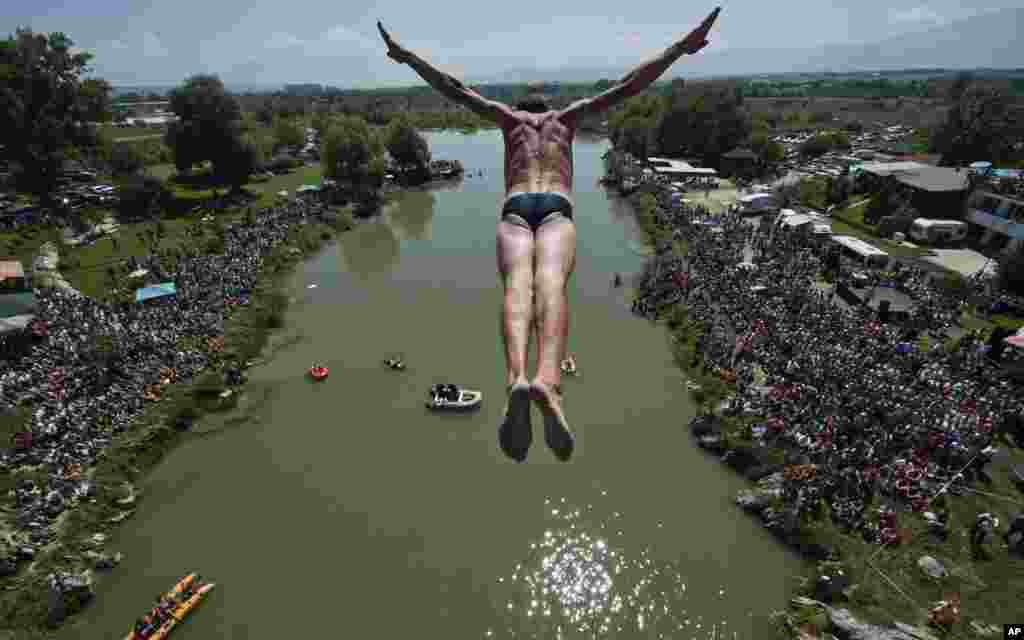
395 51
697 39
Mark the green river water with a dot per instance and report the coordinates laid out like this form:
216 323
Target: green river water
346 510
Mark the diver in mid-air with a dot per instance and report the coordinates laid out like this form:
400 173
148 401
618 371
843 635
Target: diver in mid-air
536 234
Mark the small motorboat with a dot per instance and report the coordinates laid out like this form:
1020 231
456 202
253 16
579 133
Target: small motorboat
569 366
453 397
395 364
318 372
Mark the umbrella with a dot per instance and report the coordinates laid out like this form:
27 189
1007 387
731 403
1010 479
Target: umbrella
1016 341
981 165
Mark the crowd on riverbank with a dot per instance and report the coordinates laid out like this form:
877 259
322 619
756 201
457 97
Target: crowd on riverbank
861 410
80 395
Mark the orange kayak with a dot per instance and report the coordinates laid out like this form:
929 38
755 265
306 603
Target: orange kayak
182 610
173 594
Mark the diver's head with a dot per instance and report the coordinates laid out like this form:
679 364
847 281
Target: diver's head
535 100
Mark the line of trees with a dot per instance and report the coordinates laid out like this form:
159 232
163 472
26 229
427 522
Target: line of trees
45 107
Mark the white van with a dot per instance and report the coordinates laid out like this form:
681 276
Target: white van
862 253
925 230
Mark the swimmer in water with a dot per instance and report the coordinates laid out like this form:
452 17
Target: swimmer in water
536 234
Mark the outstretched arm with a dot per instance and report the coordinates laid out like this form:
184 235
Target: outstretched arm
644 75
447 85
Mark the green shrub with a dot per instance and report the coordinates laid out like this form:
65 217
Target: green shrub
275 320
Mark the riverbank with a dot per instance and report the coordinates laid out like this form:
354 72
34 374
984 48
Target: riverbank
853 583
29 605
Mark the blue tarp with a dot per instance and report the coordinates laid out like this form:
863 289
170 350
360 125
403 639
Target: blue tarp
156 291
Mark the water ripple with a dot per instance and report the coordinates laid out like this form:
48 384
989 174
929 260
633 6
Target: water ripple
579 579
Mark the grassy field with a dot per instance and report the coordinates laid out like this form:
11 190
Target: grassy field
162 171
288 182
265 188
117 133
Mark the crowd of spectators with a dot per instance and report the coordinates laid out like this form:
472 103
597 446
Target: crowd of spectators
93 367
869 418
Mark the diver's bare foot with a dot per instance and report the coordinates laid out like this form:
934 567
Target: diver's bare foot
557 433
516 434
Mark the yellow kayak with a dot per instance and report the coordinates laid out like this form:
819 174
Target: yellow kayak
173 594
181 611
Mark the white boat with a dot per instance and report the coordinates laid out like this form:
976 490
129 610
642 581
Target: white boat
460 399
569 366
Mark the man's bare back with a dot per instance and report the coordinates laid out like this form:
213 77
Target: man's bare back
536 237
538 154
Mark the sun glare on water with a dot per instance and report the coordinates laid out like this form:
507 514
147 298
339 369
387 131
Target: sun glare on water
579 581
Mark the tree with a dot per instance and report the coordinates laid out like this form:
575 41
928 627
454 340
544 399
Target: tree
282 163
646 108
707 123
773 153
407 147
813 192
888 201
208 125
41 105
235 165
321 121
1011 272
980 126
262 143
634 136
142 197
95 96
288 133
352 154
839 189
816 146
959 86
124 159
758 142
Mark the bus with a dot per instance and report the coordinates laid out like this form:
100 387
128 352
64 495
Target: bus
925 230
861 252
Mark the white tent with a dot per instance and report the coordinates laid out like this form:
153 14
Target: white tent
759 202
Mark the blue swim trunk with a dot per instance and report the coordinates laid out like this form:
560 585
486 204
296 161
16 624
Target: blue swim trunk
531 210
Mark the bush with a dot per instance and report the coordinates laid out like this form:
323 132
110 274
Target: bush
889 225
142 197
275 320
125 160
283 162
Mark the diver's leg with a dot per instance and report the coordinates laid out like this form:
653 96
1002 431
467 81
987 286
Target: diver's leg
515 265
556 259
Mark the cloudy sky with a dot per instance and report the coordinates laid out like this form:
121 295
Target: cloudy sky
143 42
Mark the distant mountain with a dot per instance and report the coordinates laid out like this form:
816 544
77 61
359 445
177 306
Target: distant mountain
988 40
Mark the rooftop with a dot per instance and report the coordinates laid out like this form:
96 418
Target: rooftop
920 176
740 154
859 246
666 165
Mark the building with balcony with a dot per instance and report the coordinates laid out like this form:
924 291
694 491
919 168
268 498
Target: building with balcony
997 221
